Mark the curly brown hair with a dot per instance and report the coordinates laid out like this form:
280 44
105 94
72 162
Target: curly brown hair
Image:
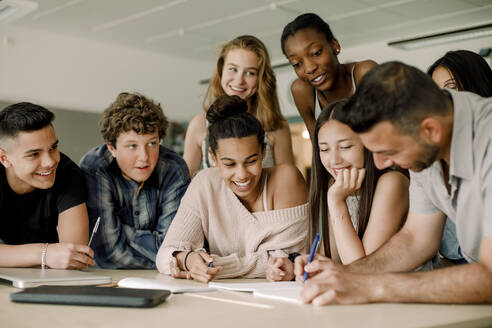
132 111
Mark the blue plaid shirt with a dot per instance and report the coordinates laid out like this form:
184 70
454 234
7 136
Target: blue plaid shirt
133 222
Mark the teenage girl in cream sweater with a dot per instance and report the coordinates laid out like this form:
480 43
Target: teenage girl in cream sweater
235 216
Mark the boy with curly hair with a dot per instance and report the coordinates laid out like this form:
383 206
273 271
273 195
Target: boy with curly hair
135 184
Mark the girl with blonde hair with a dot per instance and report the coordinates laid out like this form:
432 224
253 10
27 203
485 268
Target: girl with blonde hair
243 69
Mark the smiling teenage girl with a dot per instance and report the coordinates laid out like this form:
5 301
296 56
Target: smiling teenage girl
311 48
244 212
243 69
361 207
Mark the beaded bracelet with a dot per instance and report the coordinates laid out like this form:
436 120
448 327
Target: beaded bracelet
186 257
43 256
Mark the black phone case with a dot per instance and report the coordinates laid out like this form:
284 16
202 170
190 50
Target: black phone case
91 295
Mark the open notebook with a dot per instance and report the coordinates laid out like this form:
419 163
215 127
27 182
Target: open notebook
251 286
283 291
176 286
28 277
290 294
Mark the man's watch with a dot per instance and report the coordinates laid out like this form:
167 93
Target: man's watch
292 256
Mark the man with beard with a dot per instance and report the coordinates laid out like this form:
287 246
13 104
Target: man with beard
444 138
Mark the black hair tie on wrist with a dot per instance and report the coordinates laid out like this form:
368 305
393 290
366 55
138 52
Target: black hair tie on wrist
186 257
292 256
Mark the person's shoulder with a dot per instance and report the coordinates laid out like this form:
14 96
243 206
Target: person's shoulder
208 175
301 88
288 186
361 68
207 182
68 174
393 180
66 164
197 127
303 94
285 178
98 158
481 106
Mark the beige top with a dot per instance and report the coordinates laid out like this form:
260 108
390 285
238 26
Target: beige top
239 240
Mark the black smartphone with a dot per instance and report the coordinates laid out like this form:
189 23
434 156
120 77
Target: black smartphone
91 295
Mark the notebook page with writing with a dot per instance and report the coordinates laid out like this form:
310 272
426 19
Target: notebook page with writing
176 286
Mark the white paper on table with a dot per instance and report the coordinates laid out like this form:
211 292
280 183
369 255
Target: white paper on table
176 287
252 286
288 291
290 294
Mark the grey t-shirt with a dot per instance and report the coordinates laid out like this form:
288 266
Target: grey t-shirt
470 175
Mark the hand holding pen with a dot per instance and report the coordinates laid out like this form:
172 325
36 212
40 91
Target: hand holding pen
303 260
67 255
197 265
311 255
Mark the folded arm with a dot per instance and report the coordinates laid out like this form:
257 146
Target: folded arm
71 252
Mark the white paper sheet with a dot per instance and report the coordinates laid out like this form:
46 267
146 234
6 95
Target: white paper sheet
175 286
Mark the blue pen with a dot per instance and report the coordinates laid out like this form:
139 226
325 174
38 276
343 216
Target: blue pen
311 255
211 265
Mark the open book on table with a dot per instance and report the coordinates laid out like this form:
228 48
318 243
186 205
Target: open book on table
283 291
176 286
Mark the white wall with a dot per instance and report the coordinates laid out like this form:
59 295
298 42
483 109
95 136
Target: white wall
421 58
380 52
76 74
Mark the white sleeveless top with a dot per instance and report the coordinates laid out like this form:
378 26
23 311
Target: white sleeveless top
265 203
317 105
352 202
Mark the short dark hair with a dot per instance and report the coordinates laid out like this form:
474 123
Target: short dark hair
394 92
23 116
301 22
470 71
229 118
132 112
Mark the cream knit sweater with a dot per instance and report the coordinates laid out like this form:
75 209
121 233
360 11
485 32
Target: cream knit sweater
239 240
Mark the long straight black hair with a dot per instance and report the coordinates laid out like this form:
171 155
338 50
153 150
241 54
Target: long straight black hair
321 181
470 71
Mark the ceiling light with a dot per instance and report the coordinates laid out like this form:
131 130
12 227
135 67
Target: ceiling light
11 10
446 37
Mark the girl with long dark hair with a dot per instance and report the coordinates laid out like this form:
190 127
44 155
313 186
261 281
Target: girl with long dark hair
354 206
